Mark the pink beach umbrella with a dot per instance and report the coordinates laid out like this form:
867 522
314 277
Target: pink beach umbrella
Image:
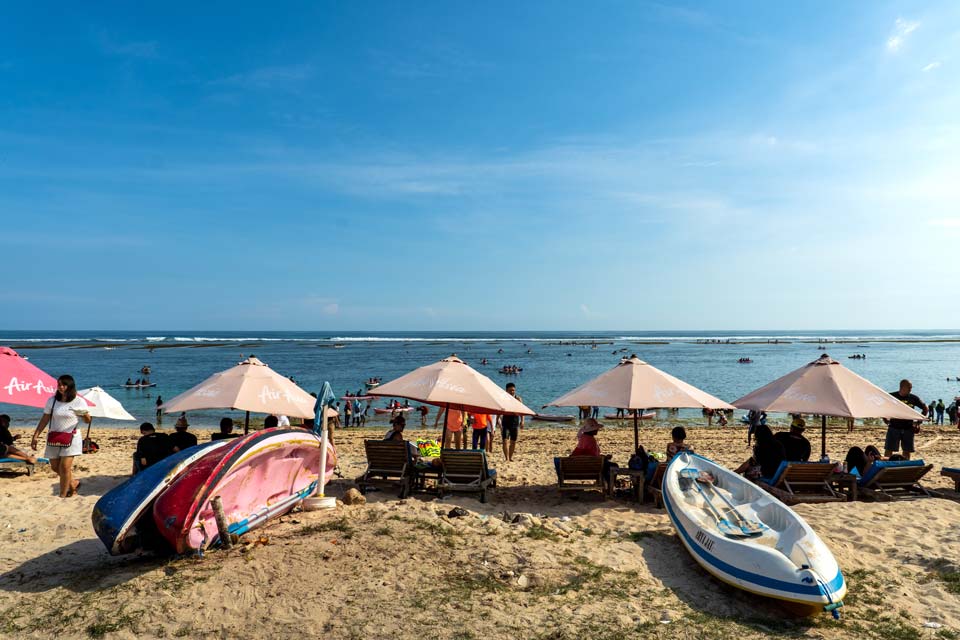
633 384
23 383
249 386
826 388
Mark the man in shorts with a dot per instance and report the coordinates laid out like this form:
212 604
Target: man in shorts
510 426
900 433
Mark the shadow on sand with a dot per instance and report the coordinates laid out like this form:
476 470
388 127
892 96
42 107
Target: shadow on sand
80 566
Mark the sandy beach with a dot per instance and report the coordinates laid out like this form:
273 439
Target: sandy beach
578 567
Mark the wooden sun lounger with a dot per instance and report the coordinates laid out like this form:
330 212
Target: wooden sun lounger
580 473
12 464
896 482
388 463
466 471
798 482
655 487
953 474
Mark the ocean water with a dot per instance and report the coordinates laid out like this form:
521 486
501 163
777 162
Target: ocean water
181 359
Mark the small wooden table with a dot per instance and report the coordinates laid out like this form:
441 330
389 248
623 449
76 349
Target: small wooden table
847 484
637 477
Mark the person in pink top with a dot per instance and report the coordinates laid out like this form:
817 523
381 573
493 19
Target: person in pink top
587 444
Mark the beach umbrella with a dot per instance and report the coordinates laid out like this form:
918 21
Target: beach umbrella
23 383
105 406
452 384
826 388
249 386
635 385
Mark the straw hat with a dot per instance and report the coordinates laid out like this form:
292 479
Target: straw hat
590 425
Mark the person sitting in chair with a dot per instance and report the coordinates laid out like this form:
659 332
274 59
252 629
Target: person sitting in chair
7 450
396 433
226 430
679 434
796 447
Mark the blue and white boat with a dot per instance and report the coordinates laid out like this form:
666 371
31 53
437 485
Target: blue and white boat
119 513
745 537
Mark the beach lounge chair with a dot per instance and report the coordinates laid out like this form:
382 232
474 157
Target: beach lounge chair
388 463
796 482
580 473
655 482
15 464
886 480
953 474
466 471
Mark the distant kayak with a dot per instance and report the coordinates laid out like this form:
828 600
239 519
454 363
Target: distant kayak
629 416
398 410
357 397
139 386
548 418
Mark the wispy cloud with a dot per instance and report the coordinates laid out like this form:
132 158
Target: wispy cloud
931 66
901 30
267 78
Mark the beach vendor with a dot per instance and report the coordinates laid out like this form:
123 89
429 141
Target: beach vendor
62 414
478 421
900 433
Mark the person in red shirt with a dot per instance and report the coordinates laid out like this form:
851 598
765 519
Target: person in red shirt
587 444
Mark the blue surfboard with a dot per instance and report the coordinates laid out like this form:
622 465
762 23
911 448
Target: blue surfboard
119 511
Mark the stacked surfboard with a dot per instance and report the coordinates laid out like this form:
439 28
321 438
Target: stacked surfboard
168 505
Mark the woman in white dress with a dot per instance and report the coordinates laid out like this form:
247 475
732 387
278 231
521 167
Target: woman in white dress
62 414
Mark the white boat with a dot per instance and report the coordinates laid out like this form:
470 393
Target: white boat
745 537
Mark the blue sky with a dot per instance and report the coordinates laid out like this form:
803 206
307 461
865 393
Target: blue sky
497 165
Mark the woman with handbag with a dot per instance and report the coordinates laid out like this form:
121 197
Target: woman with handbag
62 414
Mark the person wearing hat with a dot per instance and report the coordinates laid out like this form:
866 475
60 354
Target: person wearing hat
796 447
181 438
587 445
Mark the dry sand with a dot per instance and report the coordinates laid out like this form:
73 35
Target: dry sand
582 567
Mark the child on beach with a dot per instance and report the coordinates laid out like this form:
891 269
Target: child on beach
679 434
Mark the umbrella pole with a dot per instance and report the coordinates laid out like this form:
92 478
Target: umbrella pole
246 424
823 437
89 425
443 437
636 431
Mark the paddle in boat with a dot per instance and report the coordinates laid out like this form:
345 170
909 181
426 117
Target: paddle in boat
122 518
257 477
747 538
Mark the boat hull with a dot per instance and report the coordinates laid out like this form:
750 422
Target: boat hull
260 476
786 562
119 514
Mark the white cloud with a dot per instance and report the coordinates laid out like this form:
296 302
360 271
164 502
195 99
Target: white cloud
931 66
901 29
585 309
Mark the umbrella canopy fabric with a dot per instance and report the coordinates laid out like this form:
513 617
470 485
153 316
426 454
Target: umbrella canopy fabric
826 387
634 384
23 383
250 386
452 383
106 406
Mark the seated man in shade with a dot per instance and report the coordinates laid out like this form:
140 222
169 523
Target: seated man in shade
795 446
181 438
271 422
226 430
152 447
